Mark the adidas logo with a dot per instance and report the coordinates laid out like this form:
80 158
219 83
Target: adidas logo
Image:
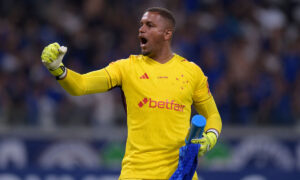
144 76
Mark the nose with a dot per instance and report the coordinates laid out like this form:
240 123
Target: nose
142 29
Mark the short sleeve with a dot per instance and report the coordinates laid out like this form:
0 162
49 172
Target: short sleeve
201 91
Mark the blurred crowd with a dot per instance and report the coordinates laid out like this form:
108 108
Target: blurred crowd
250 51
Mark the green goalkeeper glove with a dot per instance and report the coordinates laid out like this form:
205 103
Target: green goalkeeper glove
207 142
52 56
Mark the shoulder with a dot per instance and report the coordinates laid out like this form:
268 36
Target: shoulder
124 65
131 59
125 61
190 65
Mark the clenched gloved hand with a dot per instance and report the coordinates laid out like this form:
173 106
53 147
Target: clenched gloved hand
52 56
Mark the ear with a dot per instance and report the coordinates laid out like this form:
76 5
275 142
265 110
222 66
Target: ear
168 34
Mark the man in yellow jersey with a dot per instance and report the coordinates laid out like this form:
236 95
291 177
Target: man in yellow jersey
160 87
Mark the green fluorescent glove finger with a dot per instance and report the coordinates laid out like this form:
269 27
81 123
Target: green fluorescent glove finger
198 141
56 45
202 147
194 141
52 56
202 141
54 50
44 52
45 58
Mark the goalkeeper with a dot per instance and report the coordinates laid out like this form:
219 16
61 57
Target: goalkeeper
160 87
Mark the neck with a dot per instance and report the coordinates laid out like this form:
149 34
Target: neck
163 55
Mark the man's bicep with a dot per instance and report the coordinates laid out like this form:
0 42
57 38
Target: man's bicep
106 78
202 92
97 81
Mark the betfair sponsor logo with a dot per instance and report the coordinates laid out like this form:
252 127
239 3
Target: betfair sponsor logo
170 105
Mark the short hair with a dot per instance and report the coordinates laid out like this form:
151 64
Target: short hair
165 13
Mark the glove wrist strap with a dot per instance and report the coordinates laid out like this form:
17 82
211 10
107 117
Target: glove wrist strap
59 71
63 75
213 131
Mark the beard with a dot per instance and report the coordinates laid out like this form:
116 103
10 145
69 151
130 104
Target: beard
145 53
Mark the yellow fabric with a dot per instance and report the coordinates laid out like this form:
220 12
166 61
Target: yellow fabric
158 98
79 84
209 110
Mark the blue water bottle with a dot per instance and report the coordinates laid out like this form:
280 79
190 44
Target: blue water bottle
197 127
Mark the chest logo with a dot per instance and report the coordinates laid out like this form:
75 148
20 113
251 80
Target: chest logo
170 105
144 76
162 77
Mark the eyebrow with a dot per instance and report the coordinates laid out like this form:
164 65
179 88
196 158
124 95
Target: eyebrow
147 21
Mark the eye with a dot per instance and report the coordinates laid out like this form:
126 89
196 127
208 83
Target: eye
150 24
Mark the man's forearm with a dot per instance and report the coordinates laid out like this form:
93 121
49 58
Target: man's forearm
80 84
209 110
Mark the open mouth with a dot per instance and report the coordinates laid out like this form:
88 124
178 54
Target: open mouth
143 40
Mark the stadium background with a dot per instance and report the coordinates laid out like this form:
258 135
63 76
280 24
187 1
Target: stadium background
249 49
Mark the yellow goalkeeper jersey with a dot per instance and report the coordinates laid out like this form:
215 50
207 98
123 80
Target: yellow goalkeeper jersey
158 101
